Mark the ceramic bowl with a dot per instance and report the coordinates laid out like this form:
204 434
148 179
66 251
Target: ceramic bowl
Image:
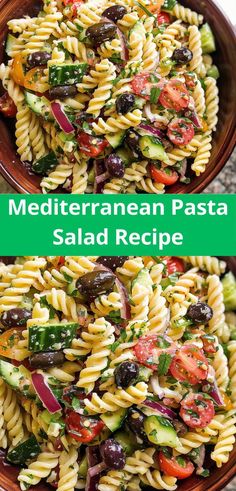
224 138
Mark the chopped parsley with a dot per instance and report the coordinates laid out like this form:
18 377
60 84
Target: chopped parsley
164 363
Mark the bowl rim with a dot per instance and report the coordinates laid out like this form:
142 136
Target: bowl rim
224 153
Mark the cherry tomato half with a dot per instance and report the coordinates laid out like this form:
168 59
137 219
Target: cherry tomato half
165 176
148 349
189 365
90 145
209 343
197 411
174 264
180 131
179 467
141 85
174 96
7 106
33 80
163 18
82 428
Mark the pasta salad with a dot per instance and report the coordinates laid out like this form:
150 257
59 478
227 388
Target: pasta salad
111 96
116 372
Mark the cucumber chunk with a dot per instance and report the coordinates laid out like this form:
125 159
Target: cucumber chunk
126 440
213 72
113 421
51 337
66 74
168 4
160 431
143 278
27 450
152 148
207 39
144 374
9 43
125 156
39 105
18 378
229 291
115 139
83 467
45 164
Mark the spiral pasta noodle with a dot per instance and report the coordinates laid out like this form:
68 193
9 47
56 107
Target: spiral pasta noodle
41 468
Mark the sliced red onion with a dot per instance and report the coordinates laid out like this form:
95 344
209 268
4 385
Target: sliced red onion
97 469
192 115
99 169
150 129
45 394
214 392
102 177
160 409
93 458
61 118
125 52
125 310
200 457
183 169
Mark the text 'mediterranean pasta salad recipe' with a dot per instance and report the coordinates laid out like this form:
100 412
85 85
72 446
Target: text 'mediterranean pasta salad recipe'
117 372
111 96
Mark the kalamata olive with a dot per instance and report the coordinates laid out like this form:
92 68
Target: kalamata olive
114 165
180 427
126 373
115 13
135 421
45 360
113 454
132 140
182 55
38 58
112 262
125 102
62 91
200 312
103 31
7 259
95 283
15 317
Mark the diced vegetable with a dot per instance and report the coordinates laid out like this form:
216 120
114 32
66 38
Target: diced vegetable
115 139
114 420
160 431
213 72
83 467
125 156
39 105
126 440
143 278
9 43
45 164
152 148
207 39
66 74
168 4
27 450
18 378
229 291
51 337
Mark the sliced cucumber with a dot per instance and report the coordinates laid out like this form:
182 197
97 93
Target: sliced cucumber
66 74
113 421
91 176
143 278
116 139
213 72
168 4
207 39
229 291
83 467
125 156
18 378
126 440
39 105
45 164
160 431
144 374
27 450
152 148
10 43
51 337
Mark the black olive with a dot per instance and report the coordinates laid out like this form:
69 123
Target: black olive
113 454
62 91
15 317
7 259
46 360
103 31
125 102
115 165
182 55
135 421
132 140
200 313
95 283
126 373
112 262
115 13
38 58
